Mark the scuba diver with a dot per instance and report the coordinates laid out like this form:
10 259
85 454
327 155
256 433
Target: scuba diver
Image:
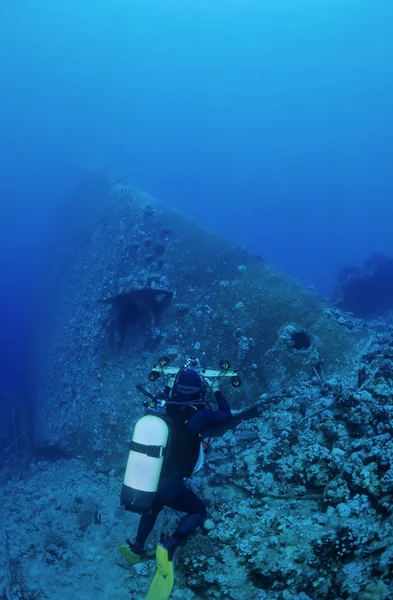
186 415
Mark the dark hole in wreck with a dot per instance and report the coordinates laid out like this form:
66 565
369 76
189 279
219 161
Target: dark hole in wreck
301 340
138 310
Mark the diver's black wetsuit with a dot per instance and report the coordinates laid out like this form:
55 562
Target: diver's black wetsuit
186 423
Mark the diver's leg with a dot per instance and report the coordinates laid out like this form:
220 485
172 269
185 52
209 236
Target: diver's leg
132 552
177 496
145 527
174 494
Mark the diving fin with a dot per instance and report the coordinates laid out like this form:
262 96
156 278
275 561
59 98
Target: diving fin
125 551
162 584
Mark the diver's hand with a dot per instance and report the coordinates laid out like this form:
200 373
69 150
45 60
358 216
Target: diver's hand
215 387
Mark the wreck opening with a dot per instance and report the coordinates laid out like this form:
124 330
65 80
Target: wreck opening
295 339
301 340
141 307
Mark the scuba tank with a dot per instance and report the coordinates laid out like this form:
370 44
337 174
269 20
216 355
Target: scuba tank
144 465
150 441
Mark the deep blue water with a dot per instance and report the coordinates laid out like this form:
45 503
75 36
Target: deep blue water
268 121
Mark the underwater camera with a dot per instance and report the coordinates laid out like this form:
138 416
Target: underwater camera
162 369
158 401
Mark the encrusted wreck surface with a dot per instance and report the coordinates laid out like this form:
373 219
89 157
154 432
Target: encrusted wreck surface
134 280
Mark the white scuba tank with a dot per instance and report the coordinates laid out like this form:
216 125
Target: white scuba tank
144 465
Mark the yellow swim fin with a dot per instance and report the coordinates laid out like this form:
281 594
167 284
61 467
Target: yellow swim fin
162 584
125 551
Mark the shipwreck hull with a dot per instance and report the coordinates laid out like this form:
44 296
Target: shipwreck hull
133 280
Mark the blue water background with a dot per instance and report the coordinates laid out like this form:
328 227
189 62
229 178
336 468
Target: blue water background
269 121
